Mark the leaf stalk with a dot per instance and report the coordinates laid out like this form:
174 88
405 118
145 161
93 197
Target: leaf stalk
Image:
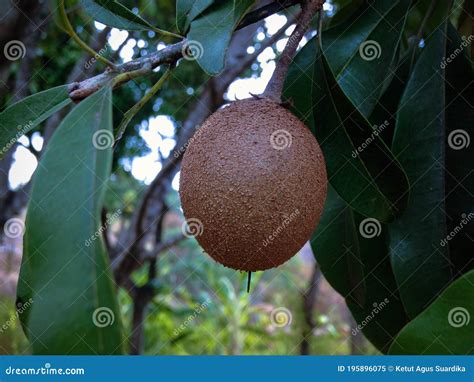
72 33
129 114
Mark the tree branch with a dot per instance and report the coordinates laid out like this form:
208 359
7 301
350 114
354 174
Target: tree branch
169 55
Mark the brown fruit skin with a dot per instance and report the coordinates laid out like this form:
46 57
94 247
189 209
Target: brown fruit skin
258 205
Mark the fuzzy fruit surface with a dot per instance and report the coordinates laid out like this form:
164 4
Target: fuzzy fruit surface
254 178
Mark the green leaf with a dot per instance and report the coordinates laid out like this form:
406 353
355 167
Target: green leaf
459 153
114 14
210 34
24 115
188 10
342 42
363 75
421 264
445 327
344 10
360 166
336 247
438 18
298 88
387 106
354 258
65 270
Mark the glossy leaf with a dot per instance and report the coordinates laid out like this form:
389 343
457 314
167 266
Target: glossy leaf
360 166
466 26
344 10
438 18
421 264
445 327
365 71
342 42
210 33
459 153
65 270
188 10
114 14
24 115
299 83
387 106
354 258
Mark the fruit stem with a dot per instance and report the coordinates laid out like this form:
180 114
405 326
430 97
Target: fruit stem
275 85
249 279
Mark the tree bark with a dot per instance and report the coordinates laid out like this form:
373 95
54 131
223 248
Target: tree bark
309 302
21 20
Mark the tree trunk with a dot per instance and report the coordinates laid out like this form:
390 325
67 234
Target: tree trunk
357 342
309 302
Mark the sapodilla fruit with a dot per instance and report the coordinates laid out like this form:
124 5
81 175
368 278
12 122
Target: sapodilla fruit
253 185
